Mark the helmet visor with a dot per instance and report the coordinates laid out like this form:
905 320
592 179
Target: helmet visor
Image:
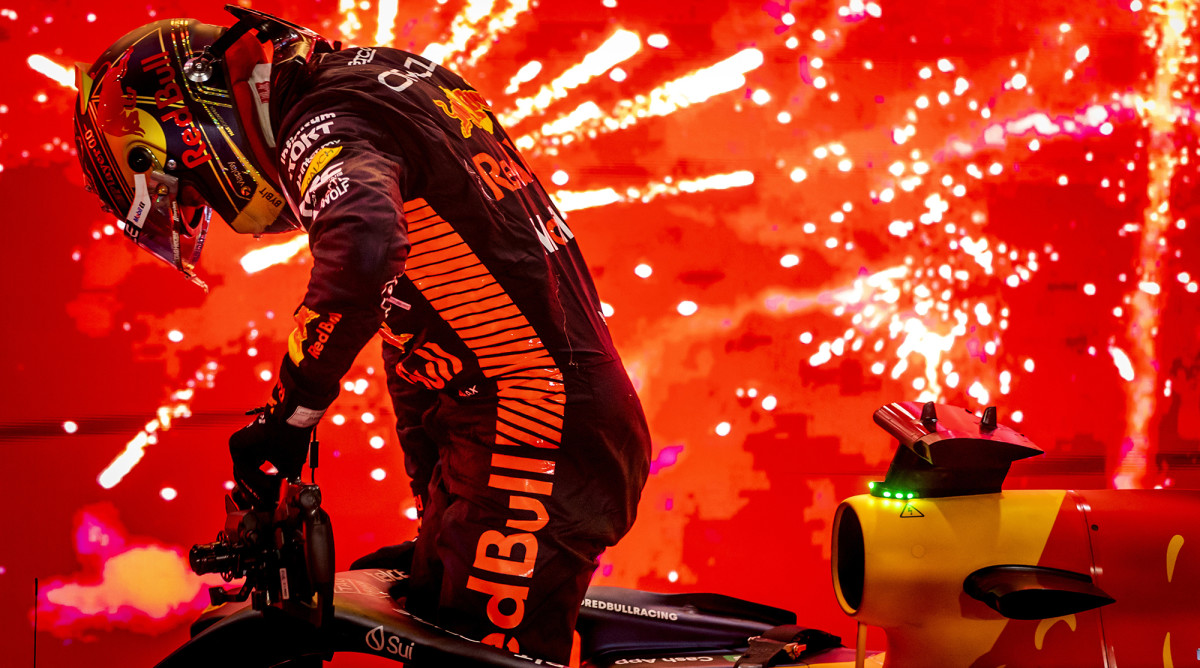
158 222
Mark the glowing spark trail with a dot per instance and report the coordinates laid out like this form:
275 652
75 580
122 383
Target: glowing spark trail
497 25
65 76
350 26
136 448
387 18
1144 307
875 297
523 75
567 200
261 258
622 46
725 76
462 29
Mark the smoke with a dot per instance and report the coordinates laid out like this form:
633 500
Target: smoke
124 583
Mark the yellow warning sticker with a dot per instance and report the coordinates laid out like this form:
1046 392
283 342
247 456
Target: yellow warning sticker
320 160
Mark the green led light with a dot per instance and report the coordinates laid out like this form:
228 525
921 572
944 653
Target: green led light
888 494
871 485
910 495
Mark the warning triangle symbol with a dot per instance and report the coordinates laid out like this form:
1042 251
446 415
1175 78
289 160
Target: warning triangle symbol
911 511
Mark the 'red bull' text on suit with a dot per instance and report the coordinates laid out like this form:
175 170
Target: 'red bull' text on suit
524 439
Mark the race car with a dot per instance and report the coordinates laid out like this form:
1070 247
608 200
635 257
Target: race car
955 570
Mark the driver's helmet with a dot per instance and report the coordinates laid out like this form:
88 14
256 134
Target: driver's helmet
163 147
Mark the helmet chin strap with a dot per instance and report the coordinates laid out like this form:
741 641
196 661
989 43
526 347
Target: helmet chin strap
177 224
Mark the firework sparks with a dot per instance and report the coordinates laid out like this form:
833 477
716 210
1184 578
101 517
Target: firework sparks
388 10
64 76
351 25
574 201
269 256
618 48
463 28
497 25
694 88
1159 112
897 207
524 75
135 449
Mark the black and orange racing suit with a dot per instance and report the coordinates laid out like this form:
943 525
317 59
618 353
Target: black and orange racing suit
521 431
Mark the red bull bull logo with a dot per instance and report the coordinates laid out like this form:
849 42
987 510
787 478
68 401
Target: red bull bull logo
467 107
299 335
105 107
116 107
304 318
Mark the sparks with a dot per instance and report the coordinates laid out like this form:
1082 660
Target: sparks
524 75
64 76
694 88
464 26
387 18
497 25
618 48
1139 367
573 201
135 449
261 258
350 26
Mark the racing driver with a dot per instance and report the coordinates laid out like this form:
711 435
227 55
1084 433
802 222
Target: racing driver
522 434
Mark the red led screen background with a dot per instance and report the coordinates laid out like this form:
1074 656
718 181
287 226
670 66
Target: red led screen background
794 213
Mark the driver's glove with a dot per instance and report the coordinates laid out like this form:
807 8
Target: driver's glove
268 439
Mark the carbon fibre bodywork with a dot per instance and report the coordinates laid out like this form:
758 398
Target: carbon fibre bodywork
617 626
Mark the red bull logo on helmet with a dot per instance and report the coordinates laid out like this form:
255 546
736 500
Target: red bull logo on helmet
116 107
467 107
106 109
170 97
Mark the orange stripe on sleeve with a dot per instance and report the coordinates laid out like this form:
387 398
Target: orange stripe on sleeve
486 318
464 297
482 281
453 264
523 333
422 219
414 204
524 364
451 311
518 437
544 410
431 234
507 321
544 395
522 464
502 439
517 347
521 485
548 432
545 419
458 255
429 280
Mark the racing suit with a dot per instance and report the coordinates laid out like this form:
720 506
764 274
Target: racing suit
525 442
